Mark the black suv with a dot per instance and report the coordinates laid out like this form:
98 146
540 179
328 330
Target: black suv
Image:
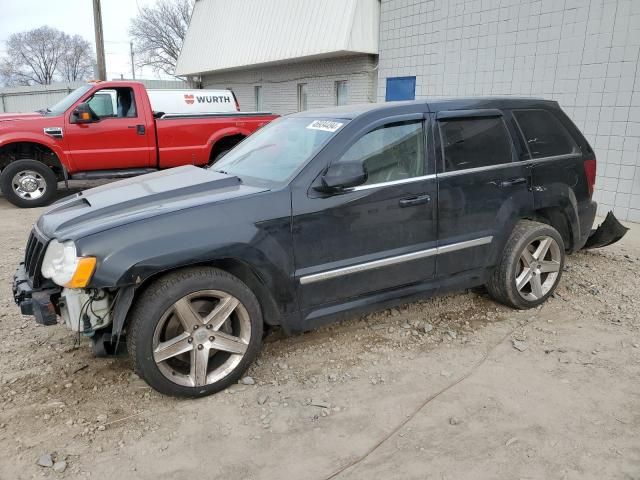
319 215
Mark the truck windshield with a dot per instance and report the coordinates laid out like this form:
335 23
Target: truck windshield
62 106
278 151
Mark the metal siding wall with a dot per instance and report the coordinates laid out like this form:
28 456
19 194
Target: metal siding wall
30 99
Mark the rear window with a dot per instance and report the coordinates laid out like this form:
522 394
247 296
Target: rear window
544 134
472 143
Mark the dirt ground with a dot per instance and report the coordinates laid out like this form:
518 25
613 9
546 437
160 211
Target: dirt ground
454 387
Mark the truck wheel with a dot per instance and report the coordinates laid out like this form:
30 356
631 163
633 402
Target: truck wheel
28 183
194 332
530 267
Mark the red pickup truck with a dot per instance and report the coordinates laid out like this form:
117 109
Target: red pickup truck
83 137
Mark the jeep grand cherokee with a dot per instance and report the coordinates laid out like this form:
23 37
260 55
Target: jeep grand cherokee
319 215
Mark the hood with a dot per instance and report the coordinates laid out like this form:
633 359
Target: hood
138 198
9 117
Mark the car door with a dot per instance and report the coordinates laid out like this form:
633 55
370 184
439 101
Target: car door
117 139
374 237
483 188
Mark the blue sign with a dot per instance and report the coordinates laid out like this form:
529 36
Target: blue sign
401 88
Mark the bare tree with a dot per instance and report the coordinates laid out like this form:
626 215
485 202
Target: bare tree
158 32
78 61
33 56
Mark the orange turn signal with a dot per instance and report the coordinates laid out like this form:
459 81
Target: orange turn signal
84 271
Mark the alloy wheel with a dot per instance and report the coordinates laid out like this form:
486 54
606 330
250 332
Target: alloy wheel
201 338
29 185
538 268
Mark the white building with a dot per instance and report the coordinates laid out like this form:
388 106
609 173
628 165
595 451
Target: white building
287 55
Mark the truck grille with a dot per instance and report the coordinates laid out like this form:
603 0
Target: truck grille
33 255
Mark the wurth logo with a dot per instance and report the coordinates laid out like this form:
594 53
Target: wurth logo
213 99
191 99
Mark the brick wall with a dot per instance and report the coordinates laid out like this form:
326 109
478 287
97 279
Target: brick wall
280 83
582 53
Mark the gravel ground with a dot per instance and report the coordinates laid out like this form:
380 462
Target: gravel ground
450 388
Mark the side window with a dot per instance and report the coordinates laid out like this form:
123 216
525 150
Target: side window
395 151
102 103
544 134
114 102
474 142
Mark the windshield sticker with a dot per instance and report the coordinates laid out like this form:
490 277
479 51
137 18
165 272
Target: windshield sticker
324 125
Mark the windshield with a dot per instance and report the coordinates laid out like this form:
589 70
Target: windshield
62 106
276 152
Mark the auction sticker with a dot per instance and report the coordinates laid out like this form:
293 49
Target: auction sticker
324 125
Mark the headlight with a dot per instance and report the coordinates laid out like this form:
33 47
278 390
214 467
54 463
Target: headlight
64 267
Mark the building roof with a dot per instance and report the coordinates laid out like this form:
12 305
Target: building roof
226 35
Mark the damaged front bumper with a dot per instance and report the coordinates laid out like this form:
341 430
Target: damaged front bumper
37 303
608 232
83 311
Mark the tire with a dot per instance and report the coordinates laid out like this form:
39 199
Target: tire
18 178
160 327
530 268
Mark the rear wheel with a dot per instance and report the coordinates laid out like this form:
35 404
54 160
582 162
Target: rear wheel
531 266
28 183
195 332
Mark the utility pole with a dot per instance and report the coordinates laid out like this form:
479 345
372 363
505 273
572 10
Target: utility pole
97 23
133 68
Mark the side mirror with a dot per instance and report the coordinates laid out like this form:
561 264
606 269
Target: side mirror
84 114
343 175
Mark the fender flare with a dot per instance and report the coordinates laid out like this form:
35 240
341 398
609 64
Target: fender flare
265 275
223 133
561 198
41 140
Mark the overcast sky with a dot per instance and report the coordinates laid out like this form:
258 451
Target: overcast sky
76 16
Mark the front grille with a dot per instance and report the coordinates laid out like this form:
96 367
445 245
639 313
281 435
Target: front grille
33 255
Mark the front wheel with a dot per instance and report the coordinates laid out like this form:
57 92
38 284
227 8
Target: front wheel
195 332
531 266
28 183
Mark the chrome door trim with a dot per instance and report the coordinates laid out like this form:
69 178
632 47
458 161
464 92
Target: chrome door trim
393 182
385 262
453 247
486 168
510 164
553 157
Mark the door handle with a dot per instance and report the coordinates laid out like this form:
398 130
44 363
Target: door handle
512 182
417 200
140 129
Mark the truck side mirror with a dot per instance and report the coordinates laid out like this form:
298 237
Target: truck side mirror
84 114
342 175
